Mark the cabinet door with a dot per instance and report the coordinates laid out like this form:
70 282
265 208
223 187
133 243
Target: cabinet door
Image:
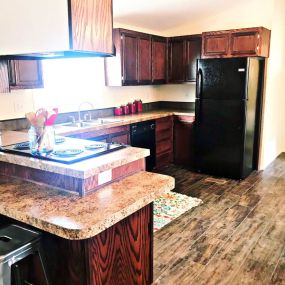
176 56
159 58
92 25
215 44
4 79
164 141
144 60
25 74
244 43
193 52
184 140
130 59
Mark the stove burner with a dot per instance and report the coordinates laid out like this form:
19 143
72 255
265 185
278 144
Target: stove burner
22 146
94 146
67 152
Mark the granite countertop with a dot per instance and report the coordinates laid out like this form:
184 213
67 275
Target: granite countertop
71 217
122 120
83 169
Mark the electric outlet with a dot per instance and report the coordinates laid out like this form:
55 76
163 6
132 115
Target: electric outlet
104 177
18 107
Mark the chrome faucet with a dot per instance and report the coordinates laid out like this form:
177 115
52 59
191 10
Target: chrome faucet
80 123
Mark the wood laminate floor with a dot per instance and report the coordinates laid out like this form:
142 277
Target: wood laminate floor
236 237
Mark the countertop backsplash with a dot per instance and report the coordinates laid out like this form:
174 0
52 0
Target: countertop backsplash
19 124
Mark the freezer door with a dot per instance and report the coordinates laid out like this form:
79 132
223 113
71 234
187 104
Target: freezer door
219 137
222 79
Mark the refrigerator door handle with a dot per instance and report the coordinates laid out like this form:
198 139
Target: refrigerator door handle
197 111
199 83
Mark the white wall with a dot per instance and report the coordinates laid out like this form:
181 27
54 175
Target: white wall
274 115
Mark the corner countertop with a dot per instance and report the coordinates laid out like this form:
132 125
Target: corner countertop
72 217
123 120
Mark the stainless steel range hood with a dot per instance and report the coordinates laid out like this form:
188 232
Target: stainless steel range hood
36 29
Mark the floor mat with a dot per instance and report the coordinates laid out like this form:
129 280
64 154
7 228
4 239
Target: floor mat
170 206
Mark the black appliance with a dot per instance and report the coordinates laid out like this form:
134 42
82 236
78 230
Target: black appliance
228 115
67 151
143 135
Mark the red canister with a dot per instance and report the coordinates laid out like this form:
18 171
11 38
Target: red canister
118 111
139 106
132 108
126 110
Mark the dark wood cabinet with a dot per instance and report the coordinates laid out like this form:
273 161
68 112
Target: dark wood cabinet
140 59
164 141
193 52
159 60
132 63
25 74
215 45
130 59
176 60
4 78
144 60
184 140
183 54
236 43
20 74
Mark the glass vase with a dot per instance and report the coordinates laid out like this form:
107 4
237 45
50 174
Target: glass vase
41 139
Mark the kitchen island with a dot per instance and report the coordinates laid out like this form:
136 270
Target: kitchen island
105 237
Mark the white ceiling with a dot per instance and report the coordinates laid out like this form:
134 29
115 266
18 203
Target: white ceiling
161 15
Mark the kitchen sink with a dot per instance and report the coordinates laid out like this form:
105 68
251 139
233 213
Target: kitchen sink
90 123
104 121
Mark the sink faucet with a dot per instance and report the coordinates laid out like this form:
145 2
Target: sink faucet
79 110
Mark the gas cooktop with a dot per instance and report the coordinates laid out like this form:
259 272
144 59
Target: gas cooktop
67 150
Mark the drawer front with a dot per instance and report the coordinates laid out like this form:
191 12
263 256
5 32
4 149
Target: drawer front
184 118
163 124
164 159
164 135
164 146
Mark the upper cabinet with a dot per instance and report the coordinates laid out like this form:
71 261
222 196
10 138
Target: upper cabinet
236 43
4 78
159 60
20 74
25 74
56 28
183 53
140 59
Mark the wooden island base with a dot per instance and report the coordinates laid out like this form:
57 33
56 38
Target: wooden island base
120 255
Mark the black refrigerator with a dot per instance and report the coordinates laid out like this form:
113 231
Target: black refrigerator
228 116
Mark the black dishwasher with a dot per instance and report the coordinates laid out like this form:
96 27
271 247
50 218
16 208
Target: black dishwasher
143 135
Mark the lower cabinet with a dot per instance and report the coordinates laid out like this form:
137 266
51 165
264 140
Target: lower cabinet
119 135
173 139
183 140
164 141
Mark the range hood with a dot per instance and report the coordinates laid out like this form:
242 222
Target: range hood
37 29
